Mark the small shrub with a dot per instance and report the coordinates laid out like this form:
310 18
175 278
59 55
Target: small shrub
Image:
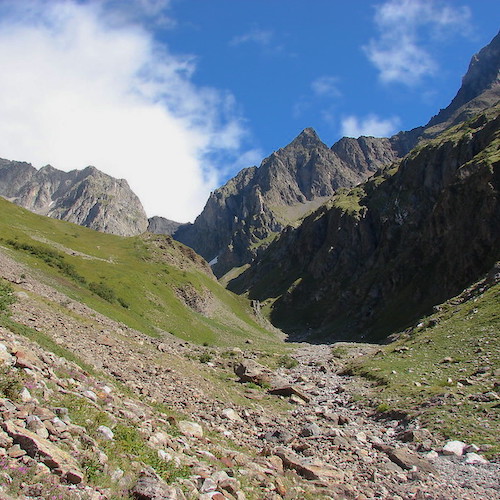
287 361
205 357
104 291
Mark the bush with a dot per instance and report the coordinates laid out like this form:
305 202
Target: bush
6 297
103 291
287 361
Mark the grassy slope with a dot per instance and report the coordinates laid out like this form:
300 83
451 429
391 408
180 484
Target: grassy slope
138 276
441 369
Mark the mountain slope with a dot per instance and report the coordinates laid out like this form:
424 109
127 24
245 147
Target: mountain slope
86 197
149 282
377 257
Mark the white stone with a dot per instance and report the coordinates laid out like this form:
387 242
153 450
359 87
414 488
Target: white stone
105 432
163 455
90 394
432 455
208 485
25 395
474 458
190 428
454 448
230 414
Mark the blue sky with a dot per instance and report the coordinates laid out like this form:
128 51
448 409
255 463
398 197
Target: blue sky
177 95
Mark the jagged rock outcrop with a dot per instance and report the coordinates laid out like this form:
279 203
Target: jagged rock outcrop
378 257
86 197
161 225
242 217
480 89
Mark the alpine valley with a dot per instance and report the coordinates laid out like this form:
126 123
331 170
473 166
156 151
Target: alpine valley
327 328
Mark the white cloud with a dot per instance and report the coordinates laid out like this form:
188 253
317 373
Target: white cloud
405 27
77 90
256 35
370 125
265 39
326 86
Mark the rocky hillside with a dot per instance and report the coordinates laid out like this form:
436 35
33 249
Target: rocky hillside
377 257
91 408
242 217
87 197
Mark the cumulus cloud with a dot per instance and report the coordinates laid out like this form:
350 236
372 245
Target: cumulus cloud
370 125
400 52
79 88
326 86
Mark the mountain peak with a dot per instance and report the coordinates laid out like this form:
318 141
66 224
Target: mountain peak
307 137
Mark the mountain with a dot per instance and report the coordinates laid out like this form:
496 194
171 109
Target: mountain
86 197
242 217
375 258
161 225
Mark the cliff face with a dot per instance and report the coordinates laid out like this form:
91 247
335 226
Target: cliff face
379 256
86 197
242 217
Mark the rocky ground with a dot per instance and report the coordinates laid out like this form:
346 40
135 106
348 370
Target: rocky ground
136 408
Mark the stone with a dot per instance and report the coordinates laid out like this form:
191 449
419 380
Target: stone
230 414
310 430
25 395
311 471
251 371
150 486
406 459
454 448
290 390
474 458
189 428
105 432
27 359
41 449
90 395
279 436
5 357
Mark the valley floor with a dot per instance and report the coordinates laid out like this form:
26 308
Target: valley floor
326 441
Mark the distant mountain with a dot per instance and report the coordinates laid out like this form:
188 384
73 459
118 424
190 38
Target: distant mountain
242 217
375 258
86 197
161 225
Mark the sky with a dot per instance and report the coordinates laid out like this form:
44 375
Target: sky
177 96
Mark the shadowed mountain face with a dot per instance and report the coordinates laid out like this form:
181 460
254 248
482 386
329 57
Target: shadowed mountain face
377 257
86 197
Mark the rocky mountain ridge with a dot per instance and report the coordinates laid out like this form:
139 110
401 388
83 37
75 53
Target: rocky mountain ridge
241 218
86 197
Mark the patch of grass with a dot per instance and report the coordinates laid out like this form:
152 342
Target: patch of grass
132 280
286 361
6 297
443 370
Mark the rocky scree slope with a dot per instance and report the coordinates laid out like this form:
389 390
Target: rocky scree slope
86 197
92 409
379 256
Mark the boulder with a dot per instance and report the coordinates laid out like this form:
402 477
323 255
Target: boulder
150 486
454 448
192 429
44 451
405 458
